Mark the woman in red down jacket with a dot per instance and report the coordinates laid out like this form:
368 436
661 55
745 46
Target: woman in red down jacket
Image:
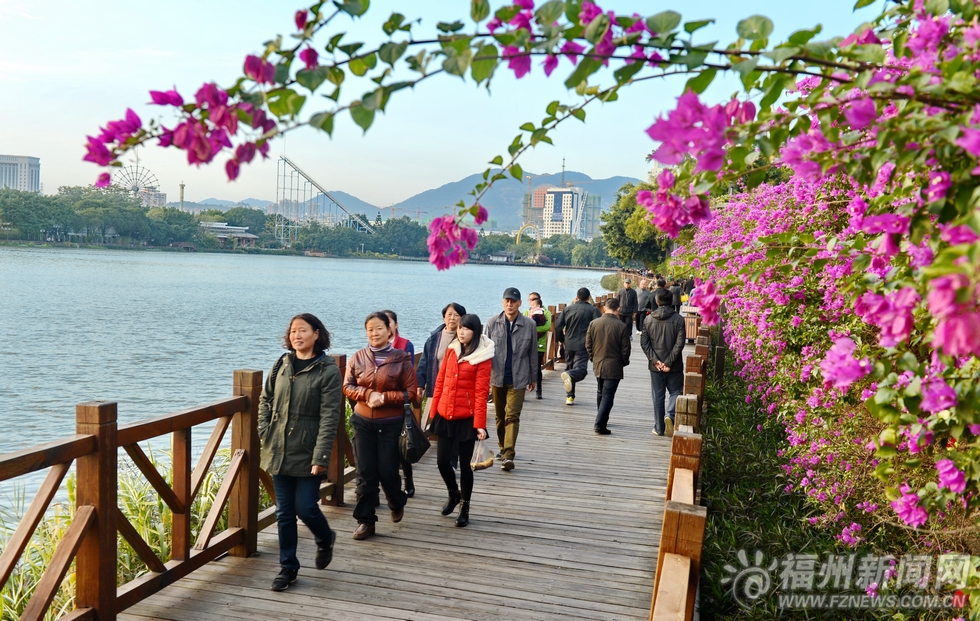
460 404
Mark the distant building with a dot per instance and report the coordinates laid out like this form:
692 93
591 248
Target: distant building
590 217
563 212
152 197
534 205
224 233
20 172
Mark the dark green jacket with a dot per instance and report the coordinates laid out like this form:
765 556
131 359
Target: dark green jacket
298 423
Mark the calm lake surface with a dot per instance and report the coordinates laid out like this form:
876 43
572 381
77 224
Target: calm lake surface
158 332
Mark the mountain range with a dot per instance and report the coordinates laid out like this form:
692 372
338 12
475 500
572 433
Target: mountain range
504 201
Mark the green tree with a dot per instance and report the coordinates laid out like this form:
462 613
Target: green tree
253 219
625 239
559 248
402 236
593 254
489 244
169 225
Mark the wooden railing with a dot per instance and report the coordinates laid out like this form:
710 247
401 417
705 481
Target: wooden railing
91 538
682 534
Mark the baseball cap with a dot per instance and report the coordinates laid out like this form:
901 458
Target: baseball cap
629 281
511 293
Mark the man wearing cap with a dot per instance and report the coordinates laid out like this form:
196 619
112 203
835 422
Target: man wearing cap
627 305
515 339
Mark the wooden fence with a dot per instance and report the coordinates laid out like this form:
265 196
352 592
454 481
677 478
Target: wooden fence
91 538
682 535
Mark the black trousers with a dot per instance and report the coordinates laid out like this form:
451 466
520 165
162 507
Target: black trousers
376 453
540 367
577 367
640 318
605 397
446 449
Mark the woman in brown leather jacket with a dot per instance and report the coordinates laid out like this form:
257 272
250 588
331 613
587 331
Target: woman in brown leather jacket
379 379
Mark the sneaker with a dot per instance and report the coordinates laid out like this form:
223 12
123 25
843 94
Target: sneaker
569 400
669 427
325 555
566 380
508 465
498 456
285 578
657 433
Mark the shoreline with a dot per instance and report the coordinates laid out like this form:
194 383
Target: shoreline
280 253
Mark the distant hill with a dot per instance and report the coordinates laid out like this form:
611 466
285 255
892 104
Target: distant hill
354 204
251 202
505 199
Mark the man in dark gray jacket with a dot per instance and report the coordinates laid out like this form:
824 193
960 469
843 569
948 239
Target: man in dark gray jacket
513 371
662 341
570 329
627 304
609 347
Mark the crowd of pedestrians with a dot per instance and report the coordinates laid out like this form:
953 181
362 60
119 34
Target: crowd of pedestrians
463 366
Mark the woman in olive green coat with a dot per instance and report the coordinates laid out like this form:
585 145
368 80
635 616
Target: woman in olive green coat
299 411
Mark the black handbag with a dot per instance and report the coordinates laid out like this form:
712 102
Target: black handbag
412 444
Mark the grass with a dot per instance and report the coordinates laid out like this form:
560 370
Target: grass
141 505
748 509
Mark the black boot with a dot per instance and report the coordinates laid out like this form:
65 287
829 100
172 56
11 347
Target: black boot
409 486
452 502
464 514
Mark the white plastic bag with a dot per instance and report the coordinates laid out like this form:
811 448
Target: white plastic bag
482 456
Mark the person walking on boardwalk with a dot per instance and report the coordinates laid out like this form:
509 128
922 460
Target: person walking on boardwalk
379 380
402 343
515 340
609 345
434 349
676 291
460 409
662 341
627 304
570 329
542 319
644 304
300 409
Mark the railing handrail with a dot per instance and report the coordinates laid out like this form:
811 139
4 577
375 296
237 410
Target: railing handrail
143 430
41 456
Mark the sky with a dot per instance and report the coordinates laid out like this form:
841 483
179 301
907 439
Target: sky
69 66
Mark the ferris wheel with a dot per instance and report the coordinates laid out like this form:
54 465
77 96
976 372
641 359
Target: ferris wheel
136 179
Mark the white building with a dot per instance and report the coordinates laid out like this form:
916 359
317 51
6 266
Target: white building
20 172
563 209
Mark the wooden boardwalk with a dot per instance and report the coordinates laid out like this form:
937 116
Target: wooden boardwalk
571 533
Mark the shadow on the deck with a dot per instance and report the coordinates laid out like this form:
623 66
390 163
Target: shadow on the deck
571 533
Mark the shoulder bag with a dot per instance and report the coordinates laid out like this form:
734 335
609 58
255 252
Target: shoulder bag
412 444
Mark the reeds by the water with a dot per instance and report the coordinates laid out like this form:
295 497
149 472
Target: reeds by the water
138 501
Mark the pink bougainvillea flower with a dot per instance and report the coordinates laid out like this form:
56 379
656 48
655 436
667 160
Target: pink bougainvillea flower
886 223
908 509
572 50
970 141
939 184
245 152
527 5
309 57
210 94
96 152
691 128
167 98
958 335
937 395
550 63
232 169
494 24
942 294
861 113
705 297
518 62
449 244
589 12
891 313
666 179
522 21
950 477
481 214
840 368
796 151
866 37
103 181
300 19
259 69
956 235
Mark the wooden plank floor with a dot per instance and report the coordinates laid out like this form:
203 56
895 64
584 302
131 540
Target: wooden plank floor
571 533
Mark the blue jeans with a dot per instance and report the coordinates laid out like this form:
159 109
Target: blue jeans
298 497
606 395
663 384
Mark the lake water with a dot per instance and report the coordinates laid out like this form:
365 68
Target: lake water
158 332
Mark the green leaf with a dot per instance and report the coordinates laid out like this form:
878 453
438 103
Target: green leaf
692 27
483 63
393 24
579 113
586 67
528 127
457 63
860 4
552 108
390 52
516 172
597 29
624 73
361 115
664 22
374 99
499 161
755 27
780 54
450 27
353 7
550 12
323 121
802 37
701 81
362 64
572 9
335 75
873 53
286 102
479 10
312 79
350 48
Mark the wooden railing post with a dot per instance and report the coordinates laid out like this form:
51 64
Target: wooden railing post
180 549
335 472
243 505
95 564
